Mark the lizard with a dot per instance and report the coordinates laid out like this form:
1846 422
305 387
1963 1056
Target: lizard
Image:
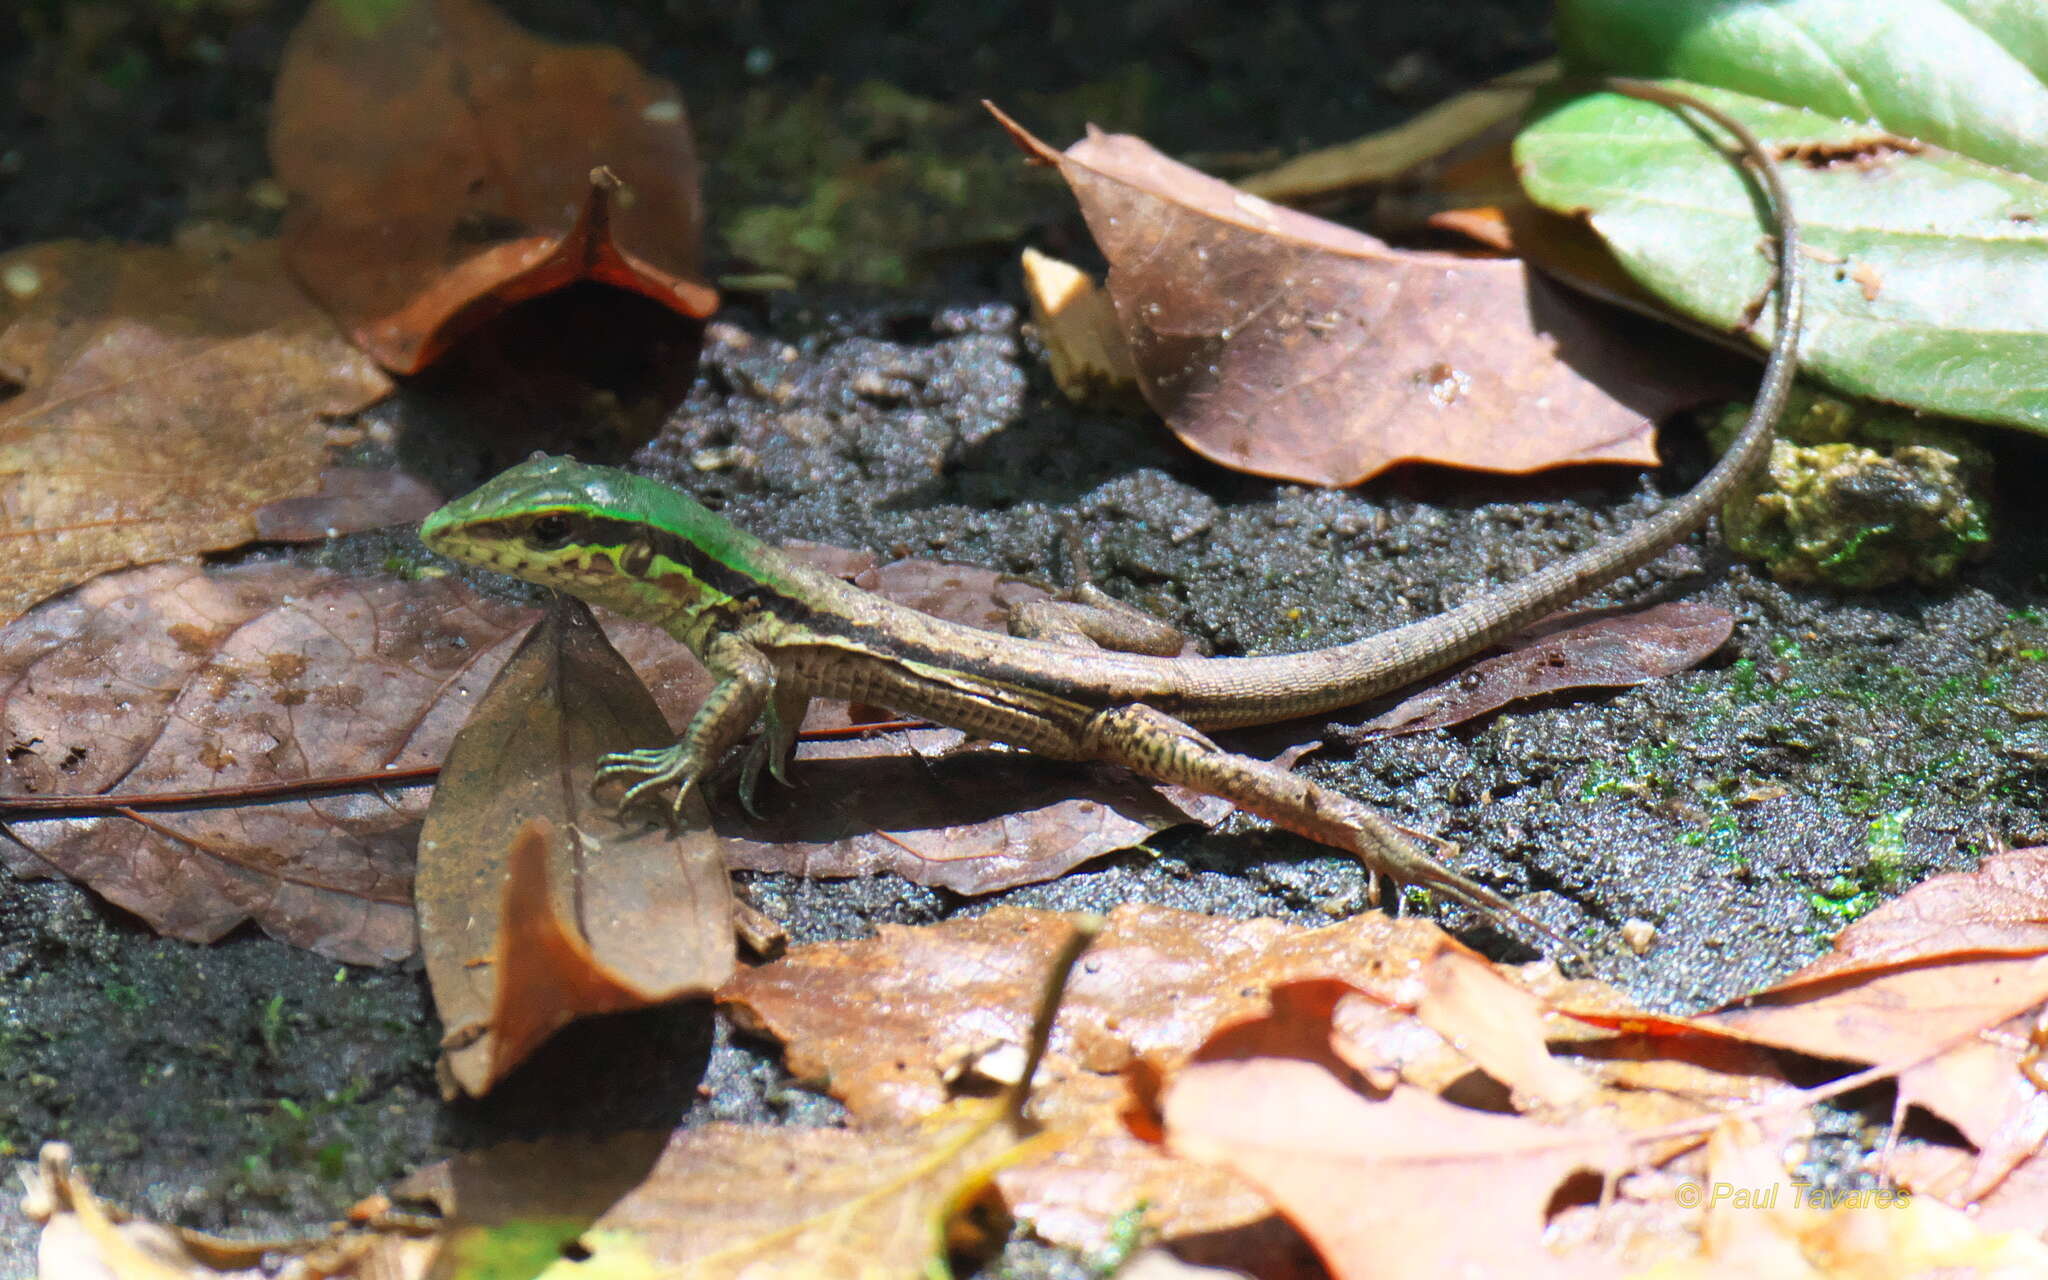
1083 679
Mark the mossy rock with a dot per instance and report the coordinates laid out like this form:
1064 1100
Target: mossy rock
1859 497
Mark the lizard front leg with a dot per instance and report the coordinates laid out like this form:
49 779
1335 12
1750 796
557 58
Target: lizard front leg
746 680
1148 741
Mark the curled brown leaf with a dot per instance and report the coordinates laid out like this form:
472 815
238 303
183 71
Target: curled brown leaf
440 160
1280 344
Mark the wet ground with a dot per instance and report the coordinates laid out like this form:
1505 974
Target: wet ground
1837 751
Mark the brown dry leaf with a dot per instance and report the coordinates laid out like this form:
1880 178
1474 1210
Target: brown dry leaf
1283 345
173 679
538 903
1885 1236
165 398
915 804
349 498
887 1020
890 1022
720 1200
440 163
1949 982
85 1238
884 1018
1382 1185
2000 909
1499 1025
1608 652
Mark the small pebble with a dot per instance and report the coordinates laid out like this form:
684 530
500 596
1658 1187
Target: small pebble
1640 935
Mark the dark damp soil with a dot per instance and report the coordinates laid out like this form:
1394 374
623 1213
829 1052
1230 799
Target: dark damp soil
1837 751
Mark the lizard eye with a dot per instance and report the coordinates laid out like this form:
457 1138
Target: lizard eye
549 533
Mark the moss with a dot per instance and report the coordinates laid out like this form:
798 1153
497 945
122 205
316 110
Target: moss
1885 870
1126 1235
873 186
1857 497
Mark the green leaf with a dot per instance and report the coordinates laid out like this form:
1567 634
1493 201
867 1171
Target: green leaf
1966 75
1927 271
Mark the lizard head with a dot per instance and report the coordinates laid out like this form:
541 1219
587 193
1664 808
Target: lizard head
608 536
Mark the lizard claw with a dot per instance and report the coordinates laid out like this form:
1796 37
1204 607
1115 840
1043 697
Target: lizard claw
656 767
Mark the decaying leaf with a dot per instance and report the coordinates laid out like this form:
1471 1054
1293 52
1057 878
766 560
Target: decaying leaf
1280 344
1609 652
174 680
1384 1185
85 1238
440 161
1877 1234
724 1201
972 821
348 498
538 903
1949 982
894 1023
166 396
882 1019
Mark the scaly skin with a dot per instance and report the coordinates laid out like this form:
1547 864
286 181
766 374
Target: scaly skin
776 632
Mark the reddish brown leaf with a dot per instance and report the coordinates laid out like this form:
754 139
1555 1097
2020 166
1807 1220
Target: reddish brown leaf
349 498
2000 909
1632 648
542 972
1948 982
889 1020
440 160
971 821
1280 344
893 1021
1498 1024
722 1201
166 397
175 679
538 903
882 1019
172 679
1382 1186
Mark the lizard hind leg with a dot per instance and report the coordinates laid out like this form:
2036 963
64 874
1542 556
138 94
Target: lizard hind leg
1088 617
1148 741
775 744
